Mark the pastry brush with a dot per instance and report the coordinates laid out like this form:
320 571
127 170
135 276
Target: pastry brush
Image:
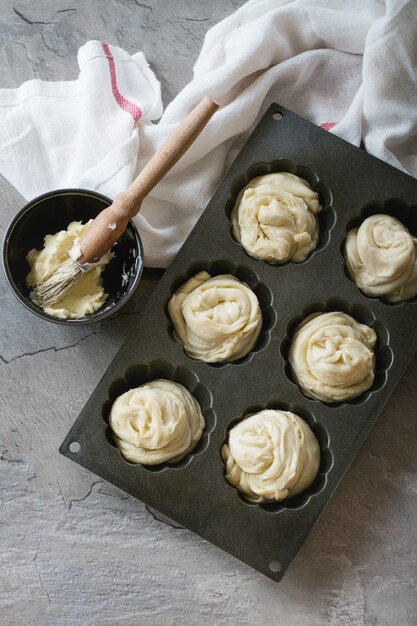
111 223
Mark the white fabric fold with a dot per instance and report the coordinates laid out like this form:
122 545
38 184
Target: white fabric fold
348 66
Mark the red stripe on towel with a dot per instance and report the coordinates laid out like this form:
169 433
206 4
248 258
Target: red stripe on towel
328 125
124 104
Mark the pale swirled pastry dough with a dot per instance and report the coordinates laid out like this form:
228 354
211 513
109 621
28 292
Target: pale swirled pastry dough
274 218
157 422
271 455
381 257
332 357
215 318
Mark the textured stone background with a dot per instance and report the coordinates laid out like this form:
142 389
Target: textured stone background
75 550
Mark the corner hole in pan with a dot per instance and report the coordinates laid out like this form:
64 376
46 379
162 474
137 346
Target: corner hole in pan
363 315
275 566
395 207
139 374
326 217
326 457
245 275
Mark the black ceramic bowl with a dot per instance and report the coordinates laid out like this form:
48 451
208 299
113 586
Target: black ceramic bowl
51 212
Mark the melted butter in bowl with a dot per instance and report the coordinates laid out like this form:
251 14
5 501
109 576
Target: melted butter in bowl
85 297
104 291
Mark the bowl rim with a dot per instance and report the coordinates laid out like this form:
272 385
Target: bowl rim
95 317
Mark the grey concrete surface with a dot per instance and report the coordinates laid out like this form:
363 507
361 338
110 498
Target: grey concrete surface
77 551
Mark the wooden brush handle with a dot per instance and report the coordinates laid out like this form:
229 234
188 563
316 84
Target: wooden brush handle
110 224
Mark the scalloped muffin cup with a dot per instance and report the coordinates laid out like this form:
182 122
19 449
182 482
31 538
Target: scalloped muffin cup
322 437
138 375
250 280
325 217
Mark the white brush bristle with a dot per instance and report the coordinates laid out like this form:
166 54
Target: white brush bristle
55 287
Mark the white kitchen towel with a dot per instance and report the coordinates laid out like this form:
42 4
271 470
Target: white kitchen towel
81 133
349 66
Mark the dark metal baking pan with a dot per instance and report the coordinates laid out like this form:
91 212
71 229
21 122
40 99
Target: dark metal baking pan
195 493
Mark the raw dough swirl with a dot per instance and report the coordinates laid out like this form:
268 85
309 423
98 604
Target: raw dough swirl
156 422
381 257
274 218
215 319
332 356
271 455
